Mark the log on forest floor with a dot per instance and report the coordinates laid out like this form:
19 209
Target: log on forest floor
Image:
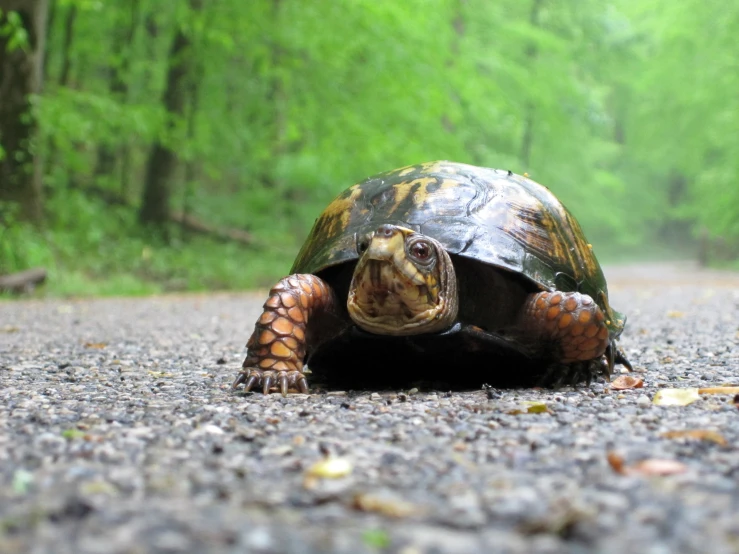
187 221
23 281
191 223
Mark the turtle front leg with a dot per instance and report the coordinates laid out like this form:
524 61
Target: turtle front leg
572 330
276 350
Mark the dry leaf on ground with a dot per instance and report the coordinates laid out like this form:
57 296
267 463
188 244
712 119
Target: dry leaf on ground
385 504
697 434
625 382
675 397
530 407
97 345
650 467
719 390
655 466
330 468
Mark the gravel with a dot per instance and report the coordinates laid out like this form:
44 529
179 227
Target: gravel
119 433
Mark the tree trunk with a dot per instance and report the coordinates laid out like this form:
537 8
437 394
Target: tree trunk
67 46
162 162
118 87
65 72
21 71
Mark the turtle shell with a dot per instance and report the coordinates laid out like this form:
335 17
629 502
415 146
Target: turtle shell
489 215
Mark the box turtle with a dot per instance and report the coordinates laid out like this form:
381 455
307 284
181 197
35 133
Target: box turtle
444 273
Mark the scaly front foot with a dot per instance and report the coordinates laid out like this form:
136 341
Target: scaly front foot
284 381
276 350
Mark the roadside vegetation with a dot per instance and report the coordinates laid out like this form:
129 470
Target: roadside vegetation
189 145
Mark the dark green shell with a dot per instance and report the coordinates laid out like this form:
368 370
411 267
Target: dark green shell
489 215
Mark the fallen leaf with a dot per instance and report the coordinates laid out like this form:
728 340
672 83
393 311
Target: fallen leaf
616 461
385 504
719 390
529 407
656 466
9 329
675 313
625 382
536 407
97 345
675 397
330 468
159 374
649 467
697 434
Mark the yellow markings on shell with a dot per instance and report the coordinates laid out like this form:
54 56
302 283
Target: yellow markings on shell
339 211
421 193
402 190
430 167
403 171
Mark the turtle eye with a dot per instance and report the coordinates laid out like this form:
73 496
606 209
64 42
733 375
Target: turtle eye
421 251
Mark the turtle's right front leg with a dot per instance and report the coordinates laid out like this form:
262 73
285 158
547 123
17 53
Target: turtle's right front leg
276 350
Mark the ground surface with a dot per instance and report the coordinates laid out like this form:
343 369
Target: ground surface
119 433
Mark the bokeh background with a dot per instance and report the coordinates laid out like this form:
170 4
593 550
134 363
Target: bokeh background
152 145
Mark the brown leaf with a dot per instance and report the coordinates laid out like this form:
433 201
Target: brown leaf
696 434
719 390
616 461
625 382
649 467
97 345
385 504
656 466
675 314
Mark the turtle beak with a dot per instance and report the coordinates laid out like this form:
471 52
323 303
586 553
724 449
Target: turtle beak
388 245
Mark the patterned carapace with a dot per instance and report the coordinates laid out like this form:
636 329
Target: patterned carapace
489 215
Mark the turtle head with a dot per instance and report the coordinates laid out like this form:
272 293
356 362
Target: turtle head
404 284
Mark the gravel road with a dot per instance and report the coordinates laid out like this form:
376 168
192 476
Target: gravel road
119 433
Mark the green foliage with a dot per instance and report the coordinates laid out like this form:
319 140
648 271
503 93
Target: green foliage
12 30
627 110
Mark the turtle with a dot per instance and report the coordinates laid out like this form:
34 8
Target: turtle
443 272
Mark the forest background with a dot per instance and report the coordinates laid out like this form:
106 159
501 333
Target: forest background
150 145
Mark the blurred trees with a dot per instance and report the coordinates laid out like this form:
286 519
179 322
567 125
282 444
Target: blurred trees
250 116
22 41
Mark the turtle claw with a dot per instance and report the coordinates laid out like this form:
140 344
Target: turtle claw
560 375
253 377
621 359
250 382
